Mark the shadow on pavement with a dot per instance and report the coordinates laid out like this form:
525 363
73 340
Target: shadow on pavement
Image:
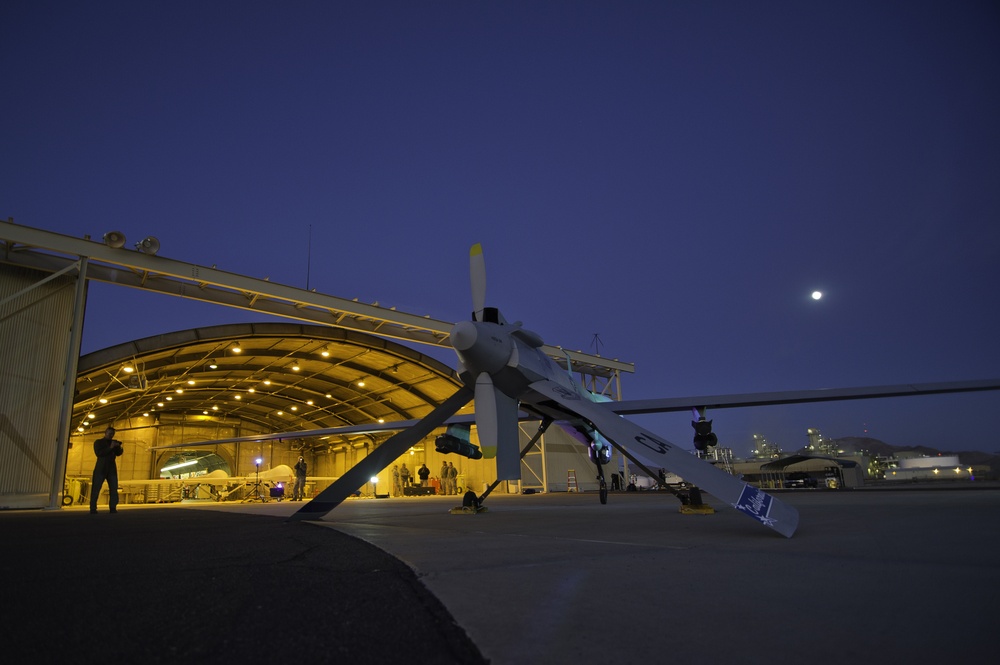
158 586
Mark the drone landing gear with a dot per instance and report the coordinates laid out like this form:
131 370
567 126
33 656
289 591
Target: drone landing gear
471 505
477 501
691 502
602 485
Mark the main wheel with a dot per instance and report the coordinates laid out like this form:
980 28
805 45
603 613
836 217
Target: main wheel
604 491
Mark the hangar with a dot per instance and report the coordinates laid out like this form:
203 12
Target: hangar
337 363
242 379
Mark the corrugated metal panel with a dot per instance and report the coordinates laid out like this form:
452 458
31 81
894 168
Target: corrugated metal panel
35 336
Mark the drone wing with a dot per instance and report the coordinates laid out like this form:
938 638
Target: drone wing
665 405
745 498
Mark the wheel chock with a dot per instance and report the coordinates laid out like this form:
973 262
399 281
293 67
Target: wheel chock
462 510
703 509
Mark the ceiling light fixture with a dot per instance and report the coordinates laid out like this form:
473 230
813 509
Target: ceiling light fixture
178 466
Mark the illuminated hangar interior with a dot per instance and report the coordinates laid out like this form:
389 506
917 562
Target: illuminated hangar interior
269 376
244 379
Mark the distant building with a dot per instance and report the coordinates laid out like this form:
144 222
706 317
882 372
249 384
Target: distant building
941 467
764 449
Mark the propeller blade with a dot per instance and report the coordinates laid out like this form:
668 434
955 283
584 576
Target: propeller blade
486 415
496 420
381 457
477 275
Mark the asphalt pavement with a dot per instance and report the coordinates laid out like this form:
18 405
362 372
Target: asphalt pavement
162 584
870 577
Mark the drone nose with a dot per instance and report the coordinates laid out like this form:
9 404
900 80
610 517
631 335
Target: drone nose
464 335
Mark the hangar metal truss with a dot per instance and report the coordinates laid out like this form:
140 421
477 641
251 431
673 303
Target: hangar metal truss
173 373
57 253
269 377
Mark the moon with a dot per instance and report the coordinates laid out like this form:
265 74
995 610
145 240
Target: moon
816 295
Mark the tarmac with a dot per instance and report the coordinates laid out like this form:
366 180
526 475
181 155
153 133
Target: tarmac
870 577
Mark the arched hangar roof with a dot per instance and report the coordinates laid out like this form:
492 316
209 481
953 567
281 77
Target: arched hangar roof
785 462
277 376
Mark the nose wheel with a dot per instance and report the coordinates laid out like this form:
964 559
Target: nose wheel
602 485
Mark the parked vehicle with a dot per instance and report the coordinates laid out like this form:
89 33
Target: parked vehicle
799 479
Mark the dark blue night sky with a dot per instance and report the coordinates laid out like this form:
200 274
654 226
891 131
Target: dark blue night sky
675 177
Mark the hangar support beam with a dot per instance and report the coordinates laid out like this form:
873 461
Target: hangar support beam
51 252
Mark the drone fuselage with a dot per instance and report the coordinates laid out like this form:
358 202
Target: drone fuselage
513 365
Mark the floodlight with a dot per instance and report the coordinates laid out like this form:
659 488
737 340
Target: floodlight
148 245
114 239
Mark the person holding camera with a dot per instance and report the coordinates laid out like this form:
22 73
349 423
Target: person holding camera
106 469
299 491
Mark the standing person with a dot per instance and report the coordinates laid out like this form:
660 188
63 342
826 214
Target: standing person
444 478
424 474
452 479
397 488
404 473
299 492
106 469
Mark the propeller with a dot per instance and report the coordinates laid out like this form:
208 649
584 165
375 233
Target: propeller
486 346
496 412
